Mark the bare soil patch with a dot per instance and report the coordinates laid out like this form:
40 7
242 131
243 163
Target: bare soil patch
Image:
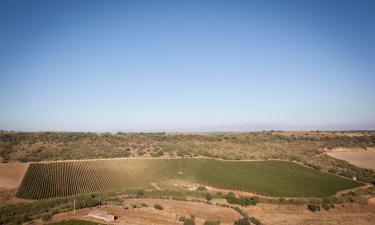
347 214
364 158
148 215
11 175
296 215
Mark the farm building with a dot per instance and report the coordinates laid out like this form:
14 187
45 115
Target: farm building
101 214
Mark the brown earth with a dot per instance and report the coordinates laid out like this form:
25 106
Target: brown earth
11 175
268 214
296 215
364 158
149 215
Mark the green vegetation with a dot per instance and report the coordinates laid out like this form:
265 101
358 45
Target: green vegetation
304 147
244 201
243 221
75 222
44 209
159 207
272 178
313 207
189 221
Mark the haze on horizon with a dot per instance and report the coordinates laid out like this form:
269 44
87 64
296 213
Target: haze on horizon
180 66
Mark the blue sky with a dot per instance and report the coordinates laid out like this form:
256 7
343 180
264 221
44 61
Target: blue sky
193 65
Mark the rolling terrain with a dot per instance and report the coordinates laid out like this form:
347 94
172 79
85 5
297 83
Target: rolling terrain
269 178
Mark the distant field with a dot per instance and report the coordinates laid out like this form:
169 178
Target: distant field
359 157
272 178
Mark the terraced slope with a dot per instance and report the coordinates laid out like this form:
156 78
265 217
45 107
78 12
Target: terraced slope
273 178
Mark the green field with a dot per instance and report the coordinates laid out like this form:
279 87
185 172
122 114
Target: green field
271 178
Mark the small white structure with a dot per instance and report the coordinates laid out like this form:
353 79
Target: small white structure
101 214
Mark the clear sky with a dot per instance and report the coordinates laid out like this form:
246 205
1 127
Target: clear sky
187 65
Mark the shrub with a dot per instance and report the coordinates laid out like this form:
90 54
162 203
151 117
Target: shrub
189 221
140 152
243 221
208 197
313 207
327 206
244 201
282 200
255 221
157 206
210 222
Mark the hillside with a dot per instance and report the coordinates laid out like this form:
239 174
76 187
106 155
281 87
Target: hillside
303 147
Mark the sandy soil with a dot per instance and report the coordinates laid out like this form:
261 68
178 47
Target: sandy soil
296 215
148 215
268 214
11 175
357 156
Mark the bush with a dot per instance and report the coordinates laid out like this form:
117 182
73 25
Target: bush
189 221
157 206
313 208
327 206
210 222
255 221
244 201
282 200
243 221
208 197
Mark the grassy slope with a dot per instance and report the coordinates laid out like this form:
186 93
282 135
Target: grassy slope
273 178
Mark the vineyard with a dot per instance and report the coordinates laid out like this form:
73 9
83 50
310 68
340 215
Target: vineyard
273 178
